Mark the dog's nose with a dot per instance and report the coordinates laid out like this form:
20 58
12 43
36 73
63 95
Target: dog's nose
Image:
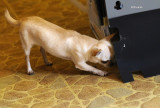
112 63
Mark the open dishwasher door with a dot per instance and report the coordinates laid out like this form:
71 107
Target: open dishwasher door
137 23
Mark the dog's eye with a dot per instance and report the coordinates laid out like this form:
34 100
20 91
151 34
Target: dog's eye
104 62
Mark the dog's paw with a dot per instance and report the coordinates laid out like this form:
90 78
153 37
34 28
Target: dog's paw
31 72
103 73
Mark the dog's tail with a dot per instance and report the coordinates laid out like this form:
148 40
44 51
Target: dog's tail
10 19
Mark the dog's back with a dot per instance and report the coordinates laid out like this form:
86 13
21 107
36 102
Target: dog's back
37 31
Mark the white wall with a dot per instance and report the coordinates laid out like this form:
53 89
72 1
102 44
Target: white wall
144 5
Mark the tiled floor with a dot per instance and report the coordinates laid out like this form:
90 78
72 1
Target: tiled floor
62 86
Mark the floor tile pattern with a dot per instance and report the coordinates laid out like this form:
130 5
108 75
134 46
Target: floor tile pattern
61 85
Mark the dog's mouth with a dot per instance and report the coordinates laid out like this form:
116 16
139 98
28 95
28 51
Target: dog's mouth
105 62
109 63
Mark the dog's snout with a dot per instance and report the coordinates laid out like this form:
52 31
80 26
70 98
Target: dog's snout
112 63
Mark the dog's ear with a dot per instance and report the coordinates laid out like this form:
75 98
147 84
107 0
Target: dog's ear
110 37
95 52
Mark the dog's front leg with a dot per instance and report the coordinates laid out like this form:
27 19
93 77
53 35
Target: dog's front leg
45 57
84 66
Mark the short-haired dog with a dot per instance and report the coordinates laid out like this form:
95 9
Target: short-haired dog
62 43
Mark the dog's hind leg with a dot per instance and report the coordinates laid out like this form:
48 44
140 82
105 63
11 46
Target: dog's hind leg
29 69
27 48
45 57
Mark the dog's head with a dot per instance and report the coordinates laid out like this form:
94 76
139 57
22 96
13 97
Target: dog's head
102 52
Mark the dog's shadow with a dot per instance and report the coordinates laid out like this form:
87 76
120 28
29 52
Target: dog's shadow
68 69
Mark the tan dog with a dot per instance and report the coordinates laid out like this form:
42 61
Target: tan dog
62 43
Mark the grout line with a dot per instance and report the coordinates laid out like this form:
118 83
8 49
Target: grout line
72 92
